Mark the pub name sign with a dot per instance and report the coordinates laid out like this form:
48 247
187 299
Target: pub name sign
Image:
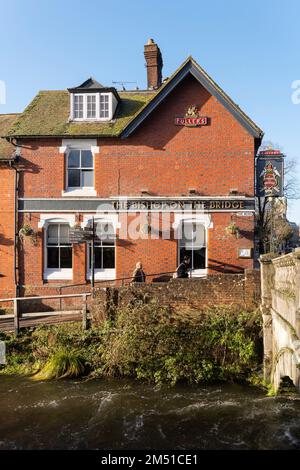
185 205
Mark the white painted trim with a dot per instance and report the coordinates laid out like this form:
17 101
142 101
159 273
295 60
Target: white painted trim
111 107
58 274
70 192
204 219
105 274
158 198
102 217
46 219
79 144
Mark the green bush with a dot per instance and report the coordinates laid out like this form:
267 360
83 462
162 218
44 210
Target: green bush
146 342
149 344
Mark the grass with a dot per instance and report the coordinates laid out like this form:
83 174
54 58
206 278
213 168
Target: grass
62 364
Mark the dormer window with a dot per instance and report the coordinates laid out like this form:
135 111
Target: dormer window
91 101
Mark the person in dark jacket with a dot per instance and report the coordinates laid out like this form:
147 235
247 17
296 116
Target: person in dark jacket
138 274
183 269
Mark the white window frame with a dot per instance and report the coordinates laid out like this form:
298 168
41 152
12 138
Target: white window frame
85 99
78 144
108 273
201 219
45 221
80 168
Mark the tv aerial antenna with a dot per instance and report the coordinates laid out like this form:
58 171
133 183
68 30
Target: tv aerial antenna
122 84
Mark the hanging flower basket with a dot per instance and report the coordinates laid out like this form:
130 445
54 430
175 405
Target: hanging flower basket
232 229
28 232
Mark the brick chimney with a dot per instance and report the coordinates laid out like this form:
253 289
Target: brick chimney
154 64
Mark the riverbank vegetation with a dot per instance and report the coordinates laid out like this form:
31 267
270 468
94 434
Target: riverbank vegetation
146 342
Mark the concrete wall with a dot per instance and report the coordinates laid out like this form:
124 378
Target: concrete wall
280 278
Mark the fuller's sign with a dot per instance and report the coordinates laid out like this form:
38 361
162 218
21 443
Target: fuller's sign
192 118
269 171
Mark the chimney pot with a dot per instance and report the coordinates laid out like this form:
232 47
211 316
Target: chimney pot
154 64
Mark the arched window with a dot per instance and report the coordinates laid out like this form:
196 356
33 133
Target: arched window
192 243
104 251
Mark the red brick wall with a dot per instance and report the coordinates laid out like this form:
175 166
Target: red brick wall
7 176
164 158
161 157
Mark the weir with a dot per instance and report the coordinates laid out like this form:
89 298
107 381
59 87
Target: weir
280 306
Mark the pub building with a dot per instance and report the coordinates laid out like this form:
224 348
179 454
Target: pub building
147 168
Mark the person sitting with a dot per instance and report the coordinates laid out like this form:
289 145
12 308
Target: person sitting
183 269
138 274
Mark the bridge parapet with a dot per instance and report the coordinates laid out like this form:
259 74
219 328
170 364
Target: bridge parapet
280 306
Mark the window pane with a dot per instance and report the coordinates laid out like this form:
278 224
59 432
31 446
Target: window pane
105 232
78 106
66 257
199 259
199 236
87 178
183 253
74 178
52 234
91 106
64 234
74 159
192 235
98 261
97 256
52 257
108 257
104 106
87 159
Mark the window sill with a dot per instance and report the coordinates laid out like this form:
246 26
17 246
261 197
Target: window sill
58 274
102 274
199 273
108 119
79 192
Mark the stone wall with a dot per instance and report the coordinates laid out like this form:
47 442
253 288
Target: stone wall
280 286
239 290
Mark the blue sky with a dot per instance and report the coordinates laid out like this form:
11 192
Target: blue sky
250 48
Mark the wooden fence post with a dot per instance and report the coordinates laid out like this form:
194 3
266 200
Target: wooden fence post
84 313
16 317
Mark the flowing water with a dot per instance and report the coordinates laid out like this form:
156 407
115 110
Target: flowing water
129 415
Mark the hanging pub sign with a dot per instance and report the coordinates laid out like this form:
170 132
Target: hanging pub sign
269 174
192 118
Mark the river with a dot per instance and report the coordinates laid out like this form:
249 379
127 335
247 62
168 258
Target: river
118 414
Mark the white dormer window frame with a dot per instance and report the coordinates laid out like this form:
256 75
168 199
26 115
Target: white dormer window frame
103 104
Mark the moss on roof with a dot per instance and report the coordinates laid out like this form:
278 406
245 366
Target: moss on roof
48 115
6 149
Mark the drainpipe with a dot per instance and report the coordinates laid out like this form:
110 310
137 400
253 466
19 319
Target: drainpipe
16 227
